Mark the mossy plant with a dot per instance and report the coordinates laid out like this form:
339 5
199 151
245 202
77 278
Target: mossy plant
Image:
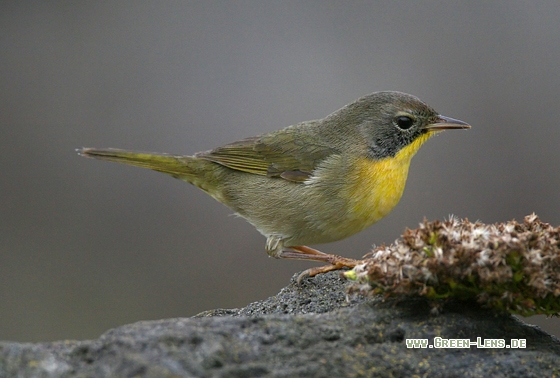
511 266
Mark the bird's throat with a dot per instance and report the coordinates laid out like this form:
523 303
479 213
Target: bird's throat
378 184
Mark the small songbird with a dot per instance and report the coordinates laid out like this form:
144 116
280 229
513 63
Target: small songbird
314 182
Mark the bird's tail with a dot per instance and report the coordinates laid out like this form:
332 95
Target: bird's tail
176 166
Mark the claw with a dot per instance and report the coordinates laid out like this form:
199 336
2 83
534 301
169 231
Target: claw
306 253
312 272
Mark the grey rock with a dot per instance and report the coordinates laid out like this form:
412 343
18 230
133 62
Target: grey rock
304 331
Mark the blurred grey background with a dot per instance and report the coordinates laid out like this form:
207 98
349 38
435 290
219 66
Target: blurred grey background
89 245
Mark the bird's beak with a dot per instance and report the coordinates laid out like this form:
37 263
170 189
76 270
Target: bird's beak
446 123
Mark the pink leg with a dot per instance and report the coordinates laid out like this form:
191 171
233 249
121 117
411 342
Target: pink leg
307 253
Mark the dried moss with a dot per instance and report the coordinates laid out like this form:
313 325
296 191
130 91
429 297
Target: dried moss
509 266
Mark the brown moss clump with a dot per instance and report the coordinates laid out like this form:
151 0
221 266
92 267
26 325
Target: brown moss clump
509 266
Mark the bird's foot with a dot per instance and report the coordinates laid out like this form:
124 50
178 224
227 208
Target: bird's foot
306 253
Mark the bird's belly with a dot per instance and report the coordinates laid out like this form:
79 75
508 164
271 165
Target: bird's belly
373 188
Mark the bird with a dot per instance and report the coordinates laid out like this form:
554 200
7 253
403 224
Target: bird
313 182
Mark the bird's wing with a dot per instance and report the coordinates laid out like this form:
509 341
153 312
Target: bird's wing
287 154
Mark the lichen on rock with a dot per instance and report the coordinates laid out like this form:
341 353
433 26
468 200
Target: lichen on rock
510 266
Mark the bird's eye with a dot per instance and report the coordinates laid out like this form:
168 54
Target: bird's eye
404 122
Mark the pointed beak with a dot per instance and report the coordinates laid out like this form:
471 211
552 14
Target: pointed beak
446 123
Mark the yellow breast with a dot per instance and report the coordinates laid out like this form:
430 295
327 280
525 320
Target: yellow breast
377 185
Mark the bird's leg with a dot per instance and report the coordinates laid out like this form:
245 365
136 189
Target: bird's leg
306 253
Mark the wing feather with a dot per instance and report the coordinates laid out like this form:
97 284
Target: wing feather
287 154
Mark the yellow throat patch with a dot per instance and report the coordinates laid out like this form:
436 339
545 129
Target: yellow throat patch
378 185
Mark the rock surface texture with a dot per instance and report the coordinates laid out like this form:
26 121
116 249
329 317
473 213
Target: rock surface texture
310 330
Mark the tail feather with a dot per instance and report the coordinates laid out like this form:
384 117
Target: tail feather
176 166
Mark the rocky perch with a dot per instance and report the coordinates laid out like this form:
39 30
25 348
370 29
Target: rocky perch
311 330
